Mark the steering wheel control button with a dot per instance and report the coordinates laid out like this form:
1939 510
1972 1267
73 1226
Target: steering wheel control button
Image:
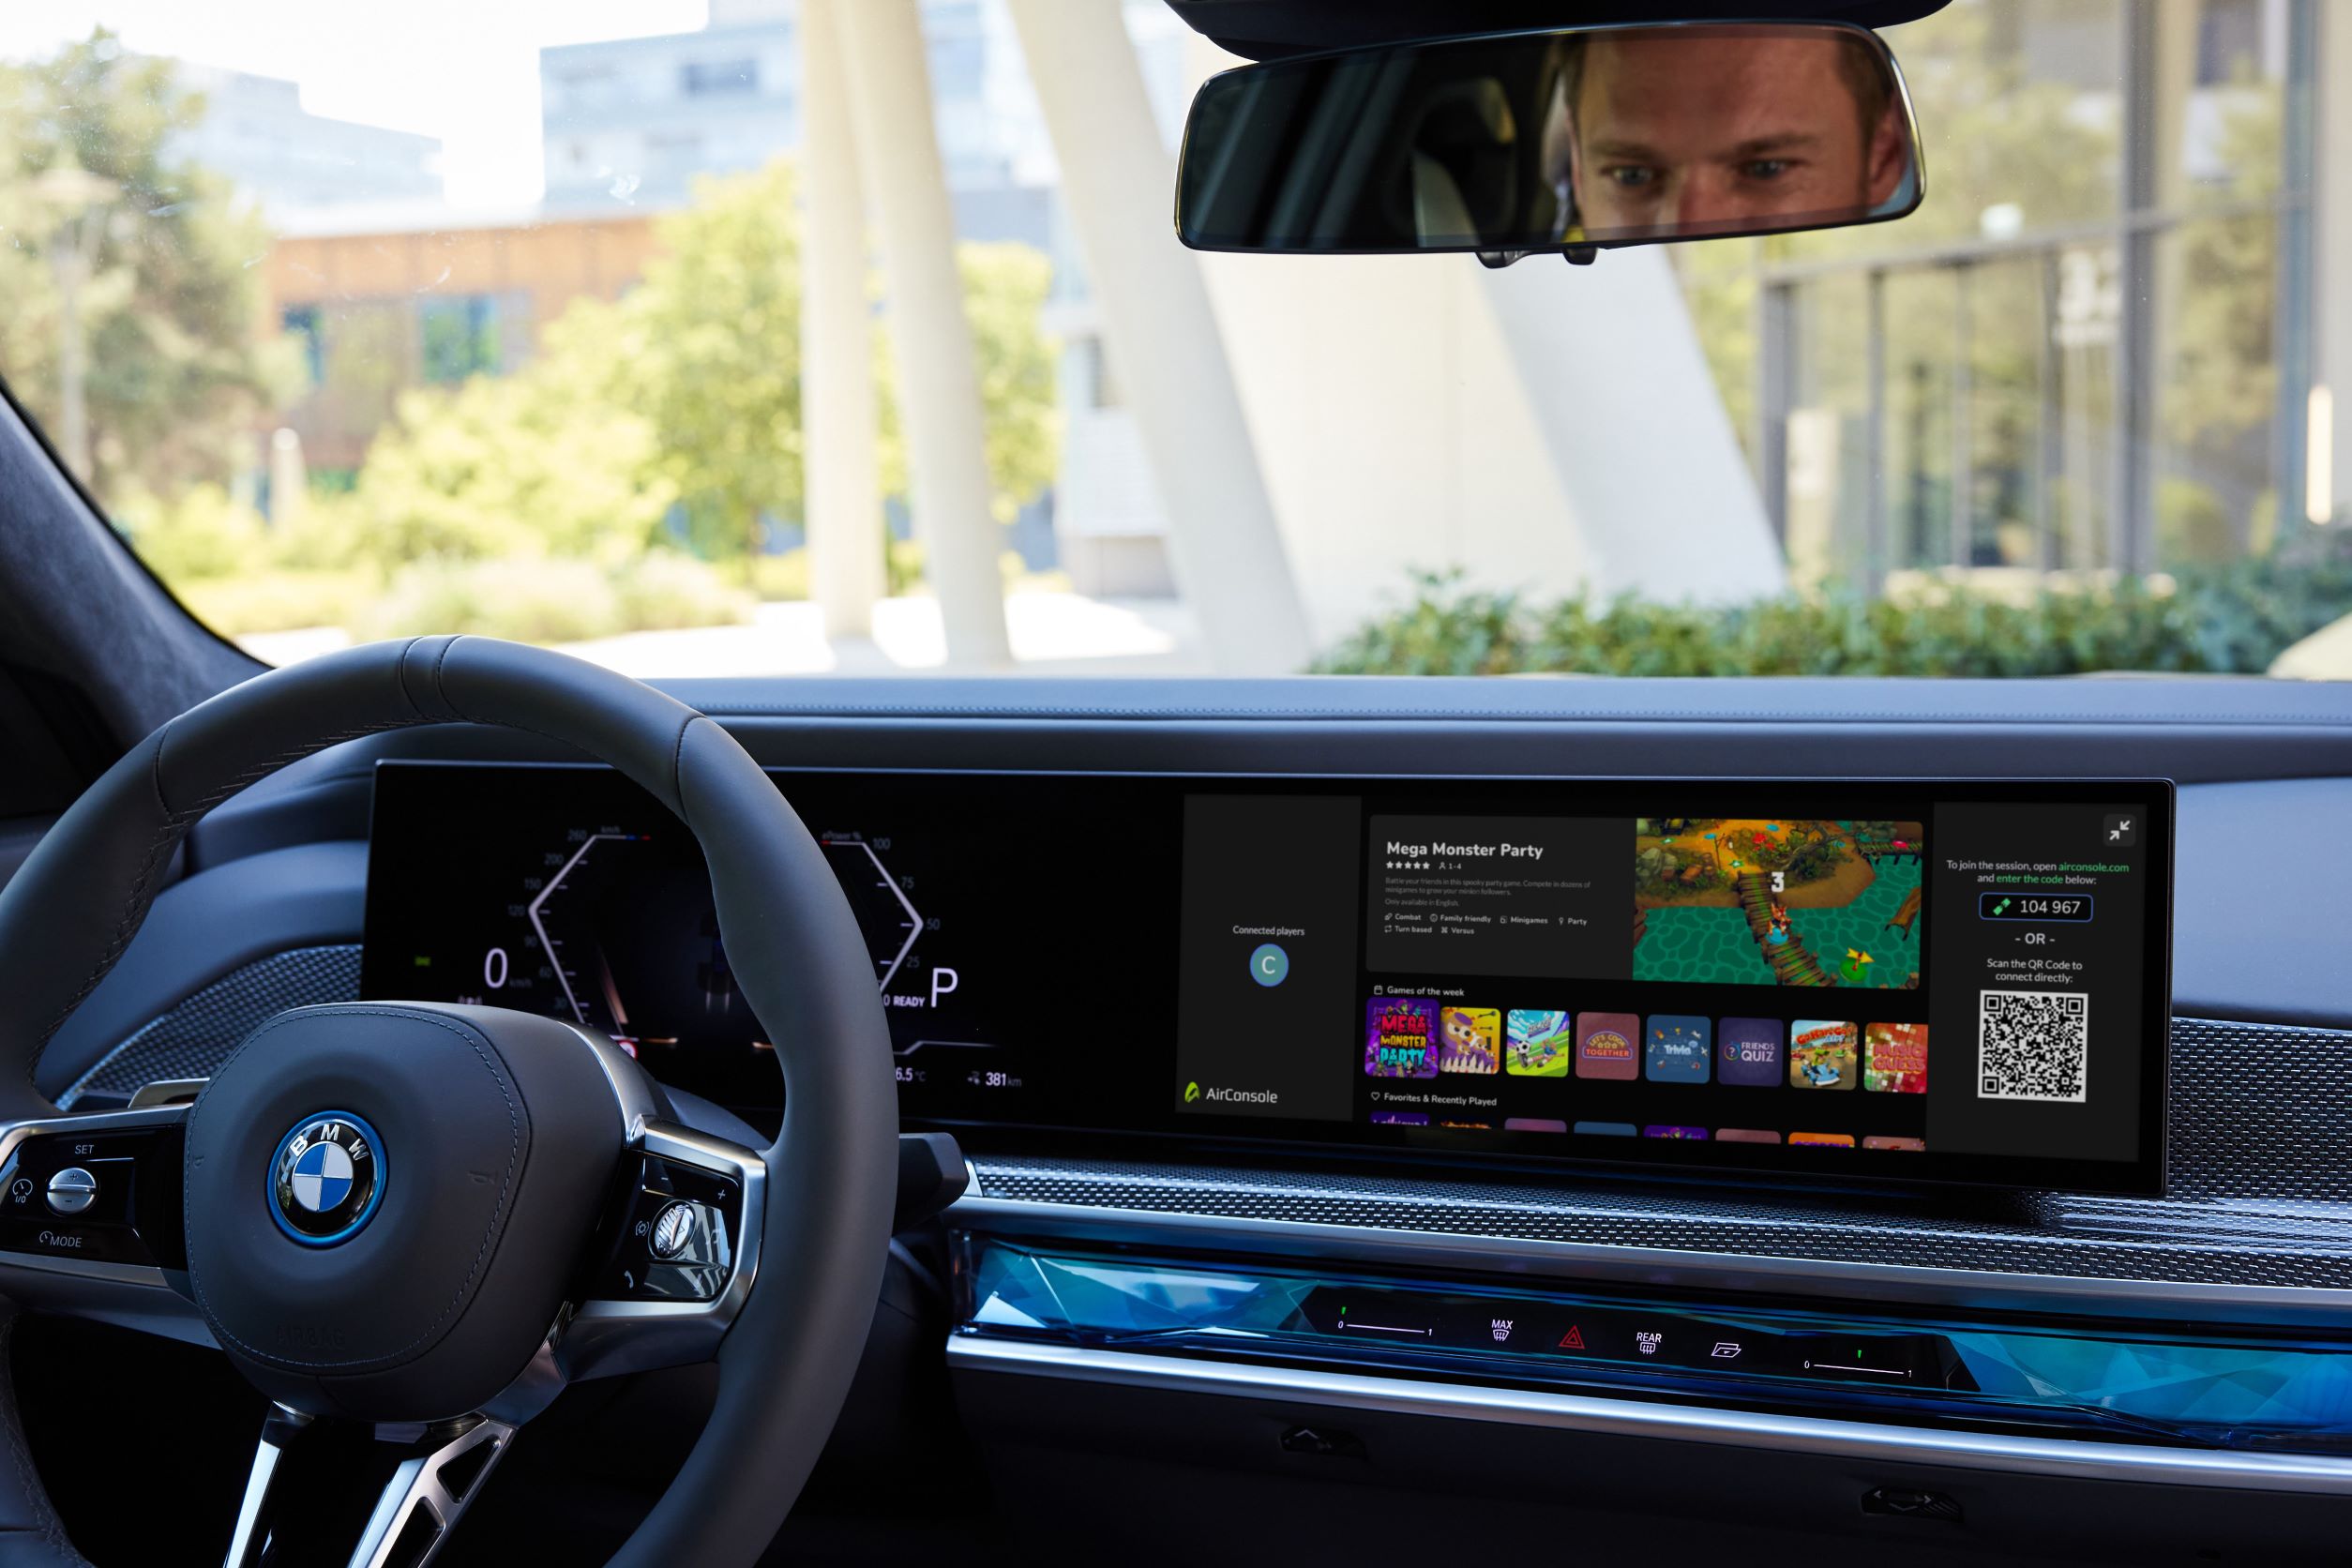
73 1197
1269 965
71 1190
679 1241
672 1231
326 1178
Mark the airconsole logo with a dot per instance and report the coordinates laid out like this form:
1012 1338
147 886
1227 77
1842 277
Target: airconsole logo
1216 1096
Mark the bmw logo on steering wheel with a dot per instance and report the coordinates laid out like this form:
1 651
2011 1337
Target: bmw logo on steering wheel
326 1178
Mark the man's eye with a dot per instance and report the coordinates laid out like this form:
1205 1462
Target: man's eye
1765 167
1630 176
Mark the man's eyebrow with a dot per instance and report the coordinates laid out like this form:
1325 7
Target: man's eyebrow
1785 141
1637 150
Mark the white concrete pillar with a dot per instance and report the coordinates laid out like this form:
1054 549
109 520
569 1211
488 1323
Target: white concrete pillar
1614 378
939 383
1162 335
846 574
2331 271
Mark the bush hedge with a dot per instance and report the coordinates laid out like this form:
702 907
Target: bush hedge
2224 619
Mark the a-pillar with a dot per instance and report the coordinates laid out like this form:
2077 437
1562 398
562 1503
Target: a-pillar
846 573
1161 336
939 382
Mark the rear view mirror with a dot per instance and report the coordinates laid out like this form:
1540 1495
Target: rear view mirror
1551 141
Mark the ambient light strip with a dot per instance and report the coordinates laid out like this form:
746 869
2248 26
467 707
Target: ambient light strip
1621 1418
1365 1240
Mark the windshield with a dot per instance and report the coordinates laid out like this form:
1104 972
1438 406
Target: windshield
764 337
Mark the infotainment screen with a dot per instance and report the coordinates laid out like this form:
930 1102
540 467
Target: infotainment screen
1881 981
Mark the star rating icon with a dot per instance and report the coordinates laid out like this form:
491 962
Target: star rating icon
1409 866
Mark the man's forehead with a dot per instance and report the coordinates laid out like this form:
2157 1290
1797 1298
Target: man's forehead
1707 98
1691 75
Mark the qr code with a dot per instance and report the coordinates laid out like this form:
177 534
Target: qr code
2032 1045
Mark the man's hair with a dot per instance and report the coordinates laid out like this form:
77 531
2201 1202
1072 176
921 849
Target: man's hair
1867 80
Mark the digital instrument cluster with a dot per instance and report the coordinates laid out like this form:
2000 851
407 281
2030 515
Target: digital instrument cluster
569 891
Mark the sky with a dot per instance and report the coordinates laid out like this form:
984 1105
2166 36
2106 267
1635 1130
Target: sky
465 70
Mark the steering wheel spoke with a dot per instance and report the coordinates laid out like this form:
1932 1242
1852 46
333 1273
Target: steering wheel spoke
91 1222
306 1494
674 1261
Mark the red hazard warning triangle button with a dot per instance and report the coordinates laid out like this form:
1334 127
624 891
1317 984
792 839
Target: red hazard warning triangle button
1572 1339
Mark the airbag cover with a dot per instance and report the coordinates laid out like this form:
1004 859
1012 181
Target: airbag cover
498 1134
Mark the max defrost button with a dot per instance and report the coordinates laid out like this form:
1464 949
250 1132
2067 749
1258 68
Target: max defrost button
1269 965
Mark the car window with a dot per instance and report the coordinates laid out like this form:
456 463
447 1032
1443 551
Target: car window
780 336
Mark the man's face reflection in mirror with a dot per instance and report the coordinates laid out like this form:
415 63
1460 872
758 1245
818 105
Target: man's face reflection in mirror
1672 130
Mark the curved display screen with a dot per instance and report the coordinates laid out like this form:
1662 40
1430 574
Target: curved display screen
1896 981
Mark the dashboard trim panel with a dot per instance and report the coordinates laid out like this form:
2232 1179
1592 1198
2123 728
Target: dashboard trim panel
1625 1418
1974 1289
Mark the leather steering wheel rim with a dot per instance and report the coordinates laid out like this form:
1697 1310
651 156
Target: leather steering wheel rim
786 1362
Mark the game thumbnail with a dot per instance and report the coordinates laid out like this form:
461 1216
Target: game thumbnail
1400 1037
1469 1040
1894 1058
1604 1046
1748 1051
1678 1048
1821 1054
1821 1140
1540 1043
1758 901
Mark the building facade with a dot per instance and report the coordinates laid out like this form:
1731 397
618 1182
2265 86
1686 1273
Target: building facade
255 130
382 303
629 124
2109 343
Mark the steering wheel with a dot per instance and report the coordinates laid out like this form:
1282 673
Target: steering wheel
425 1219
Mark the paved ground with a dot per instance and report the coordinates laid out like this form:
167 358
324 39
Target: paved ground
1059 634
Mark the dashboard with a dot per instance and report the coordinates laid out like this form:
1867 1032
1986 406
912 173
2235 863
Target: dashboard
1812 982
1064 886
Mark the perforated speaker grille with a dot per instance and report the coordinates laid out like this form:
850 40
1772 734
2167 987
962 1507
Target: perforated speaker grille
194 1037
2260 1110
2259 1183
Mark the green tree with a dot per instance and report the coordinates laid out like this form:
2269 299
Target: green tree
505 467
707 350
179 360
